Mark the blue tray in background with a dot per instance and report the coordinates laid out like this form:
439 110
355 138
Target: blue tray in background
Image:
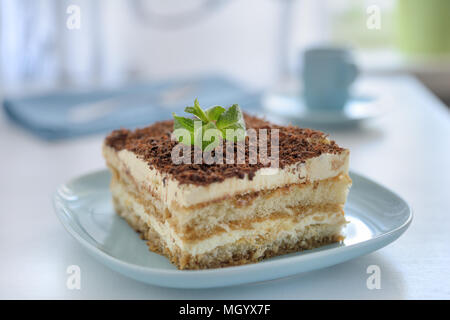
67 114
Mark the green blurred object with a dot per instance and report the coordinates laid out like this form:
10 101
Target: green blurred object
423 26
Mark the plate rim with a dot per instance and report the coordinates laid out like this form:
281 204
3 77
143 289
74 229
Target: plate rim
64 213
331 117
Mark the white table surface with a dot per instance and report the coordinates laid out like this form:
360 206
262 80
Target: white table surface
407 150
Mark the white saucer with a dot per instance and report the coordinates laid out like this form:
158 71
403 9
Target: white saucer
292 107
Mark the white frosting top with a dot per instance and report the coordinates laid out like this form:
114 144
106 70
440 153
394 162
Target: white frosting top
173 193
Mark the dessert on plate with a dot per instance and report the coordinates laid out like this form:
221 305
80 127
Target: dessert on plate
208 215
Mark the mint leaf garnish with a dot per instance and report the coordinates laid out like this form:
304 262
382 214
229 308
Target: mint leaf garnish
197 111
229 117
214 113
182 122
210 141
228 123
186 124
233 121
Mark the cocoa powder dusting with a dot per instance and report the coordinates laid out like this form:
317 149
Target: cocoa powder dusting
154 145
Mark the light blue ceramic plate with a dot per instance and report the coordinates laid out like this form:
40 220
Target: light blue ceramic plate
377 217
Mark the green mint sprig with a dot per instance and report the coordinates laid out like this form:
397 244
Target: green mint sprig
228 124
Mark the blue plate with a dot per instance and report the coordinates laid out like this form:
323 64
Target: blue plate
292 107
377 217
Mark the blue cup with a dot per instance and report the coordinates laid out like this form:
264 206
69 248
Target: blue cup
327 76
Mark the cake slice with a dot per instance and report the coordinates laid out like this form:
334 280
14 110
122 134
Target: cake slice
216 215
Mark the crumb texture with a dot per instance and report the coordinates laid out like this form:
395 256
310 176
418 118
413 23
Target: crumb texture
243 250
238 253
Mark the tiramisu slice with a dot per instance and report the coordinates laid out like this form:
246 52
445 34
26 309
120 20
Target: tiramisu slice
216 215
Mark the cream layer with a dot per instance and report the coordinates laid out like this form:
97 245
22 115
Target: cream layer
324 195
173 193
267 230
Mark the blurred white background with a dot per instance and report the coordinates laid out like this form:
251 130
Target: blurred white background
255 41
